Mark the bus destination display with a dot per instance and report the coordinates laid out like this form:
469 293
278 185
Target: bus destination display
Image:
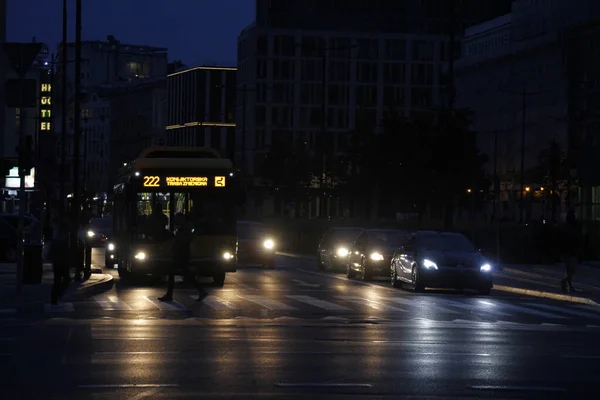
184 181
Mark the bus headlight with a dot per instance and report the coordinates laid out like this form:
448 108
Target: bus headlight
140 256
111 247
227 255
91 233
269 244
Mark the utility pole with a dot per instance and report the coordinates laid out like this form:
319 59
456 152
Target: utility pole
523 123
523 93
496 197
451 55
244 91
75 253
63 113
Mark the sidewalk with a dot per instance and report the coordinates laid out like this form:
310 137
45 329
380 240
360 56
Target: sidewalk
544 281
40 293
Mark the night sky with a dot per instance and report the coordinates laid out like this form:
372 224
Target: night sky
194 31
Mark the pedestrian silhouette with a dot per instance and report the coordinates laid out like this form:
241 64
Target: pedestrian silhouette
181 258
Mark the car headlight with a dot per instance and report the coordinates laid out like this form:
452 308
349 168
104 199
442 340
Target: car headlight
376 257
342 252
140 256
91 233
485 268
227 255
429 264
111 247
269 244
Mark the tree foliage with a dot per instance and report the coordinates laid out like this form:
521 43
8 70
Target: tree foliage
425 160
288 162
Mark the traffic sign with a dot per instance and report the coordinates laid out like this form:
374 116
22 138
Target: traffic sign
22 55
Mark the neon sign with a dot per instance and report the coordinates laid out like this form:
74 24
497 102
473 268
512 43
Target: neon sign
45 107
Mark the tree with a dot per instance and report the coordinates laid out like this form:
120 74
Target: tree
289 162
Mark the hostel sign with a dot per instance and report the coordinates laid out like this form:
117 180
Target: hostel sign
45 107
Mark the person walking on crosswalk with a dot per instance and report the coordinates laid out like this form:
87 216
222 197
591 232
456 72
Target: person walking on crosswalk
181 258
59 256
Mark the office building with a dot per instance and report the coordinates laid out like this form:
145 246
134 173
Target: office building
201 108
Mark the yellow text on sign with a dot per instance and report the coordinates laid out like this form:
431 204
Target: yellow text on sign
187 181
151 181
219 181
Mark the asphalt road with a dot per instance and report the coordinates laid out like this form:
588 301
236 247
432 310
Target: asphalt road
297 333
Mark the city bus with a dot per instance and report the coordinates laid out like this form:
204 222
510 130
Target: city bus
152 190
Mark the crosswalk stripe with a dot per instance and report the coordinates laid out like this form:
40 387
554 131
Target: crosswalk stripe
488 307
421 303
112 303
533 312
61 307
319 303
217 303
166 306
569 311
267 303
369 303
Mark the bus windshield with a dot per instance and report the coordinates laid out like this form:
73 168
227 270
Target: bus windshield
205 214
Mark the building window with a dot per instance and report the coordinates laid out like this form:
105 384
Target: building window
262 46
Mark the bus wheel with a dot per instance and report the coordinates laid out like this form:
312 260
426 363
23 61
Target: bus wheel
219 278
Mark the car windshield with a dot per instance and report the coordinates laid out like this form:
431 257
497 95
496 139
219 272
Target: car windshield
251 231
388 238
345 235
455 243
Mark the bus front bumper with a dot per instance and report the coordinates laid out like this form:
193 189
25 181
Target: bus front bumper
199 266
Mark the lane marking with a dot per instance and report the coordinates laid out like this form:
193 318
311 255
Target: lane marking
112 303
133 353
455 354
346 385
267 303
565 310
237 282
146 394
582 357
166 306
526 310
369 303
520 388
297 352
217 303
421 303
61 307
318 303
133 385
343 279
470 307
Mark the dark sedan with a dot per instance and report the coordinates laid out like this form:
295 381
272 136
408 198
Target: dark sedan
442 260
332 252
372 251
99 231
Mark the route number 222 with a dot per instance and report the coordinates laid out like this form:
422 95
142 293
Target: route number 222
151 181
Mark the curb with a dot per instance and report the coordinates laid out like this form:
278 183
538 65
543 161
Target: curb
547 295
